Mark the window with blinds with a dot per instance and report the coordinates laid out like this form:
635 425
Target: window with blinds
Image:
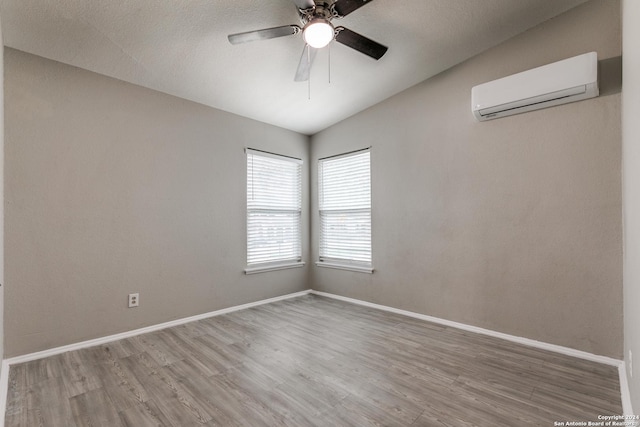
274 205
345 210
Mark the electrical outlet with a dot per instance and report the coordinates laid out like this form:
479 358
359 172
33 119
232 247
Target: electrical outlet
134 300
630 363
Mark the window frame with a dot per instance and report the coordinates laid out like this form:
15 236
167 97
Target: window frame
284 262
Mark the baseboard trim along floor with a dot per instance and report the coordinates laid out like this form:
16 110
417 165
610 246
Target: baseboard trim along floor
624 388
6 364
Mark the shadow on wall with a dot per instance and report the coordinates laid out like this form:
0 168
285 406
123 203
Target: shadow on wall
610 72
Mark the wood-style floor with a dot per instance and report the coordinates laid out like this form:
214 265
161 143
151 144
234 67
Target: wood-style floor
309 361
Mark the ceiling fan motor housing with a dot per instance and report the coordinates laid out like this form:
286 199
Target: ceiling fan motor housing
322 10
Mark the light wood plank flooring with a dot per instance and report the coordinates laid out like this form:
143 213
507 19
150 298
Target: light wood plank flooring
309 361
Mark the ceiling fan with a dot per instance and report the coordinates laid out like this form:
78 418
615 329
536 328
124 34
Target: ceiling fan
318 31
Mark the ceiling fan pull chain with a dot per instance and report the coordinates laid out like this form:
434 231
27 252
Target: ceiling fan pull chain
329 53
309 67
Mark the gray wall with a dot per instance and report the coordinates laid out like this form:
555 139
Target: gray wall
111 189
513 224
631 191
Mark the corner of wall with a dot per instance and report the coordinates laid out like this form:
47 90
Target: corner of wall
631 197
1 196
4 370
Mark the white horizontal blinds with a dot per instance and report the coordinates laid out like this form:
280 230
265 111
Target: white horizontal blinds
345 208
274 203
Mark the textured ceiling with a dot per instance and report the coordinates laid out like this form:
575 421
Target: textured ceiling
180 47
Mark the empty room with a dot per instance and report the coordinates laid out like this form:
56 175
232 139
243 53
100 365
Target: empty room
320 213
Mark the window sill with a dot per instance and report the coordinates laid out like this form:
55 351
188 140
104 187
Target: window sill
273 267
349 267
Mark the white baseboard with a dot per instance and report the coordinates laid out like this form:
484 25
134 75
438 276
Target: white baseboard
6 364
624 388
526 341
103 340
627 408
620 364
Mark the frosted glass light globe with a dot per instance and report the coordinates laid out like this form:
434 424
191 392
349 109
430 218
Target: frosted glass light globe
318 33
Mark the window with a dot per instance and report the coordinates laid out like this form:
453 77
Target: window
274 205
345 211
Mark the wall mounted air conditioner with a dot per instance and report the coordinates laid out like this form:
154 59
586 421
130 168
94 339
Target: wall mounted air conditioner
558 83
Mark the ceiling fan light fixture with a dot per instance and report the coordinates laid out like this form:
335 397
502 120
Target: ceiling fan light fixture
318 33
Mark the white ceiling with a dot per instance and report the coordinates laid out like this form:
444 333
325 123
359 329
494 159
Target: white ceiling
180 47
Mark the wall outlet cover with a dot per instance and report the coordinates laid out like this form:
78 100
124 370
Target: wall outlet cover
134 300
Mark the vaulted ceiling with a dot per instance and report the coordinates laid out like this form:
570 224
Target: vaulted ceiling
180 47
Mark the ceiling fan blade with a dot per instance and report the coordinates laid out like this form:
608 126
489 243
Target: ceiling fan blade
267 33
304 66
304 4
360 43
345 7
